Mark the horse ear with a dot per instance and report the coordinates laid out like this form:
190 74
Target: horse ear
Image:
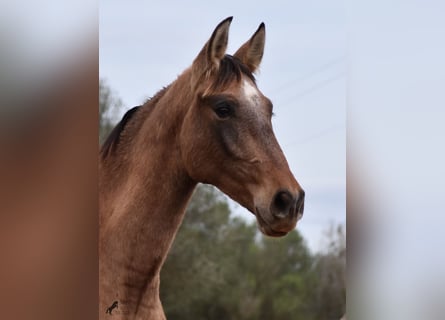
213 51
252 51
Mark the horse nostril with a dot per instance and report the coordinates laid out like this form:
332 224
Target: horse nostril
300 202
282 204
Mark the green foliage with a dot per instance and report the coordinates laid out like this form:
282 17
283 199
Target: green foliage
331 267
220 267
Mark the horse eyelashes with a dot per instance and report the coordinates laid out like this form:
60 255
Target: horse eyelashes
223 106
224 110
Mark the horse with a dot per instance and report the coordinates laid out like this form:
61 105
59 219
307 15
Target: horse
211 125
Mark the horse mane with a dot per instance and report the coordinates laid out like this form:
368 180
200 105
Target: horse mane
109 146
113 138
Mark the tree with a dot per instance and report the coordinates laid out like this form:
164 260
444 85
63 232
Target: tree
219 267
287 278
196 277
109 104
331 269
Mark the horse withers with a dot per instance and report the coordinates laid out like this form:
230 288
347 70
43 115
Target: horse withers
211 125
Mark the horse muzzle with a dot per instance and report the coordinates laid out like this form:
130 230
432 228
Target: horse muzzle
282 215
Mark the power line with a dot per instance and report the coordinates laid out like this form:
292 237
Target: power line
321 68
314 136
310 90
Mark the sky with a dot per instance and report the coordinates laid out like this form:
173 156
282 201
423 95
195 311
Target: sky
145 45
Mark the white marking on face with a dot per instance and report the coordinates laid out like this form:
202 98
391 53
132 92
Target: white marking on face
250 92
252 96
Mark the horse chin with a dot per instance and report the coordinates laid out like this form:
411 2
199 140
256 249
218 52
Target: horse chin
265 228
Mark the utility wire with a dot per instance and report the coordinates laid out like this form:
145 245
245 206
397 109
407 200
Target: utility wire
321 68
313 136
308 91
301 94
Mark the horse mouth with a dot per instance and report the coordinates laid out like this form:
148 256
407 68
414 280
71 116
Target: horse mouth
266 228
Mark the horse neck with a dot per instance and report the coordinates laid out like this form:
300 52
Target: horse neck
140 216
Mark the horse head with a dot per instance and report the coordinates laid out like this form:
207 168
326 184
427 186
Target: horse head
227 139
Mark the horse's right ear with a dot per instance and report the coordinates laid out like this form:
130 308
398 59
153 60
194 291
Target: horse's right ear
212 53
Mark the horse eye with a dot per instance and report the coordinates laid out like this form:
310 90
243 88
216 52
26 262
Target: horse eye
224 111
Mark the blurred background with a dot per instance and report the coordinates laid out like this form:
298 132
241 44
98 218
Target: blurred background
395 157
48 159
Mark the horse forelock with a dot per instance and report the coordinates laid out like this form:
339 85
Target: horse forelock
230 69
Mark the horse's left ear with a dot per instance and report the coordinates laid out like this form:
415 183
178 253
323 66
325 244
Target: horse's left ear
252 51
213 52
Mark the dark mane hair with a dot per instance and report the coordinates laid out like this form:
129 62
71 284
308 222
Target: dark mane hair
231 68
113 137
